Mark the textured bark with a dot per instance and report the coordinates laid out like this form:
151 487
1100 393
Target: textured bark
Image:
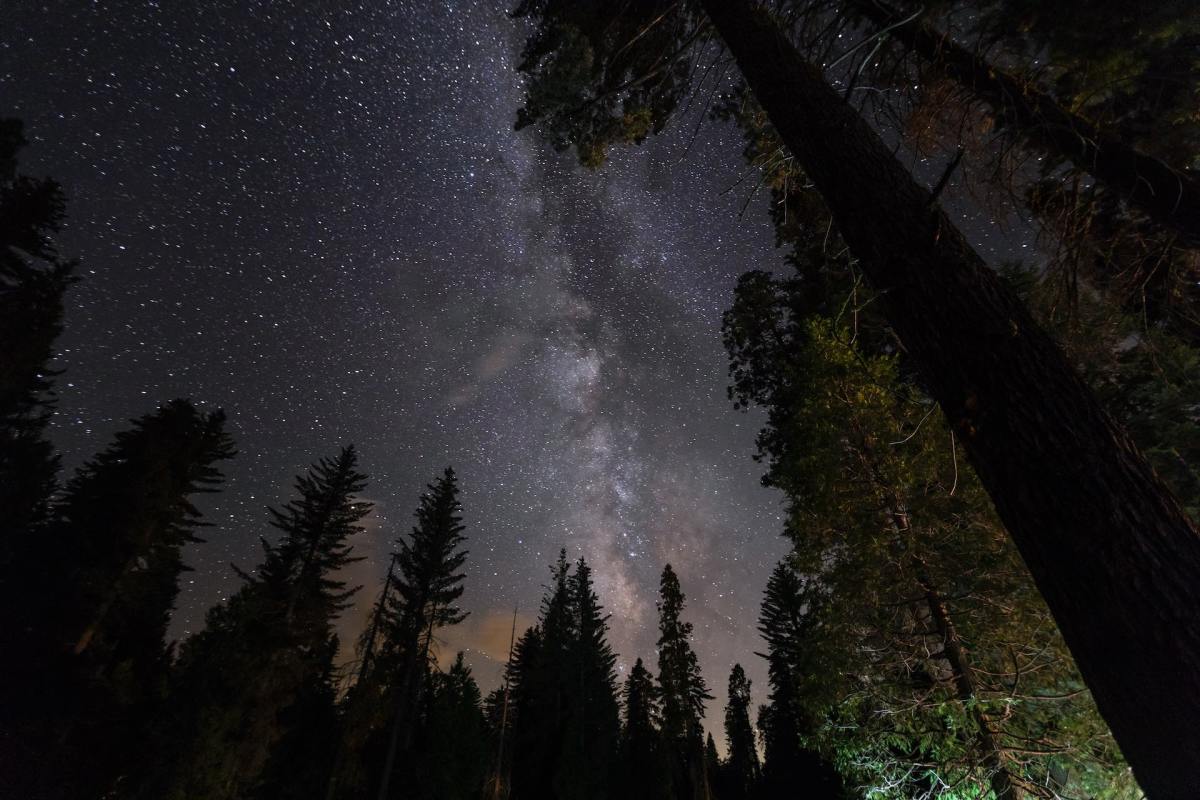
1112 553
1168 196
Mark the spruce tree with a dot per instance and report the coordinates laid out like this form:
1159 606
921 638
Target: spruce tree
452 745
713 766
681 692
101 584
33 280
783 623
592 724
533 720
641 773
245 681
740 773
542 682
427 590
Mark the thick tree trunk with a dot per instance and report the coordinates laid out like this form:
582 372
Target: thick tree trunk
1168 196
1109 548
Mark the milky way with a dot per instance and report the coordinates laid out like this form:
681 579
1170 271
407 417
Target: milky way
319 217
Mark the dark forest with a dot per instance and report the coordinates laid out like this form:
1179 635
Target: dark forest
982 472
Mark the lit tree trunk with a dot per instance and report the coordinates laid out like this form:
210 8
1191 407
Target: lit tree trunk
952 651
964 686
1168 196
1111 551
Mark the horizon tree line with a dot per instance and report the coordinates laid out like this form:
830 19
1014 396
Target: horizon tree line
255 704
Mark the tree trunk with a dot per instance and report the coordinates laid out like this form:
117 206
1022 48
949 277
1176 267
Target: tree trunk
1168 196
953 652
1109 548
964 685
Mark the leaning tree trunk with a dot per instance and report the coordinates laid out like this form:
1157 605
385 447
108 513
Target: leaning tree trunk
1168 196
1109 548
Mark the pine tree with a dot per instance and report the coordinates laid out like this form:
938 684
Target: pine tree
542 683
713 766
452 744
741 769
682 692
33 281
592 724
101 585
427 589
534 740
641 772
785 622
243 682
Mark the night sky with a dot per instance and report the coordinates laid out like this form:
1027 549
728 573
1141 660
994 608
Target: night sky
318 217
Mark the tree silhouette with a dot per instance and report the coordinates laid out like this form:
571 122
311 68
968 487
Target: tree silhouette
263 662
740 772
427 589
681 693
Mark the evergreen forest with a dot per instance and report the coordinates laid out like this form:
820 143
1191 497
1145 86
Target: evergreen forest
988 473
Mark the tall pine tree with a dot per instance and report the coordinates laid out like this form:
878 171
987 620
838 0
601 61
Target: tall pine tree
592 724
682 692
262 662
33 280
425 599
740 772
100 585
640 773
542 682
452 744
785 620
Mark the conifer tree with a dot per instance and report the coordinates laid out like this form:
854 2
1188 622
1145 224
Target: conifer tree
33 280
427 590
542 683
786 618
100 588
566 716
713 766
641 765
244 681
592 724
682 692
452 744
533 721
741 769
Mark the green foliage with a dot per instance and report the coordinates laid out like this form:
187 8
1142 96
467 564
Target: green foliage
885 515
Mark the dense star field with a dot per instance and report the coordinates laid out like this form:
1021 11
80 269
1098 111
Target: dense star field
320 219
